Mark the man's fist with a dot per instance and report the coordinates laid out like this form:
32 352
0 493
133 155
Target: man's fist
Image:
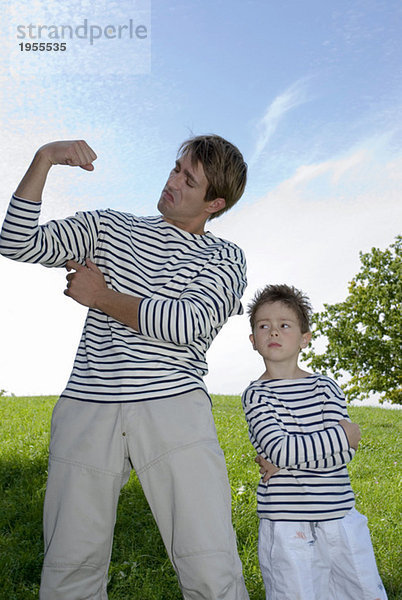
75 153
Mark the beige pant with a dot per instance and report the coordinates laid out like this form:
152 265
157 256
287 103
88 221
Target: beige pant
173 447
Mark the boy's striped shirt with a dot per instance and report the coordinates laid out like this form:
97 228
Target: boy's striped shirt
294 424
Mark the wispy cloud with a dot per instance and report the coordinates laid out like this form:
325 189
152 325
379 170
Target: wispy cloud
291 98
308 232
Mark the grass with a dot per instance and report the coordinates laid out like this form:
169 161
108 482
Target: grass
140 568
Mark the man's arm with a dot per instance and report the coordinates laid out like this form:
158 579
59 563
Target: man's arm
203 307
56 242
75 153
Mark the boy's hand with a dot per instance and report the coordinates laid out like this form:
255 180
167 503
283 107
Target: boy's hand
352 431
266 468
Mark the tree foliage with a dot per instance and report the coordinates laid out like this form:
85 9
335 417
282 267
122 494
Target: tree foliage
364 332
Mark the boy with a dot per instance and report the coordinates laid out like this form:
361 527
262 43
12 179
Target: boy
313 544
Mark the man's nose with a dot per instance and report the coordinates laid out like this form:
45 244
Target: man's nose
174 180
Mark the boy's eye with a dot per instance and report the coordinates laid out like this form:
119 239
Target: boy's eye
264 326
189 183
285 325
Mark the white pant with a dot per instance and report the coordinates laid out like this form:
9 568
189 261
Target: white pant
173 447
327 560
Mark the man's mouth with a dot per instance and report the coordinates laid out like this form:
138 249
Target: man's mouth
168 195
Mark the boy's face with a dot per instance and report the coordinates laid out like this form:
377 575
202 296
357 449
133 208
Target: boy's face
277 335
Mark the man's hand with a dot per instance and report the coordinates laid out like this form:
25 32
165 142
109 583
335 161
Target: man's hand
75 153
352 431
85 283
266 468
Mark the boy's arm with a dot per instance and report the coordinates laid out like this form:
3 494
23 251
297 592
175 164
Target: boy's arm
352 431
286 450
333 409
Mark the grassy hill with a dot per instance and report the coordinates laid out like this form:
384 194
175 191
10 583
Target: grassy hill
140 568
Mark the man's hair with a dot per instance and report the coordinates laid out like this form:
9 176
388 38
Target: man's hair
223 165
288 295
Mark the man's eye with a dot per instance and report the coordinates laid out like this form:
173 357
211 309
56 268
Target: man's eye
189 183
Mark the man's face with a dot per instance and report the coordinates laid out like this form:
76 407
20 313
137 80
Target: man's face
277 334
182 202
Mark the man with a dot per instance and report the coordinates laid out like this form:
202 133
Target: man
158 290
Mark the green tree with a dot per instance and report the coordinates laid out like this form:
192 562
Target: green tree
364 332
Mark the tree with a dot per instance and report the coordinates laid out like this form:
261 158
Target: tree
364 332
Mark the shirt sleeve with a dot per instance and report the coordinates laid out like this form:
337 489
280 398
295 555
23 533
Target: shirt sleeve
289 450
212 296
51 244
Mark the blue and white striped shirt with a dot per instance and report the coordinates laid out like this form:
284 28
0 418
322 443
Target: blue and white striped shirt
294 424
190 285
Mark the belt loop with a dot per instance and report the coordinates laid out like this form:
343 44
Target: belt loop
313 532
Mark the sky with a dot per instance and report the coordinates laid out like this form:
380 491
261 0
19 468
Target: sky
309 90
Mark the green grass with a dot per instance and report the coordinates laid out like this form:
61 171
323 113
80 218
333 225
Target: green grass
140 568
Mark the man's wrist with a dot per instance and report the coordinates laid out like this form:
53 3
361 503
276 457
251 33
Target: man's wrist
42 158
103 298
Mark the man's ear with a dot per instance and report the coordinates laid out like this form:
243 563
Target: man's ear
251 338
306 339
216 205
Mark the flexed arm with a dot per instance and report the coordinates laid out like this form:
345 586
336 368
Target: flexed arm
52 245
75 153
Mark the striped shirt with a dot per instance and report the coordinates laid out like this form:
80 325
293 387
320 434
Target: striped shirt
294 424
190 285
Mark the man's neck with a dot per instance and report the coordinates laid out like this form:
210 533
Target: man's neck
193 227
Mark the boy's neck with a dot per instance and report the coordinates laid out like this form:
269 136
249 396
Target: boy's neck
281 371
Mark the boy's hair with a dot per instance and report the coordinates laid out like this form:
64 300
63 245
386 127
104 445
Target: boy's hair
223 165
289 295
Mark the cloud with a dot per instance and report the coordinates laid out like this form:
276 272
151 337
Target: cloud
308 232
276 110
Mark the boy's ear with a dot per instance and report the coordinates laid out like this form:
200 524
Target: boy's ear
306 339
251 338
215 205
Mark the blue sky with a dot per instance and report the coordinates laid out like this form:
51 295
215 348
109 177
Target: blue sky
310 91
